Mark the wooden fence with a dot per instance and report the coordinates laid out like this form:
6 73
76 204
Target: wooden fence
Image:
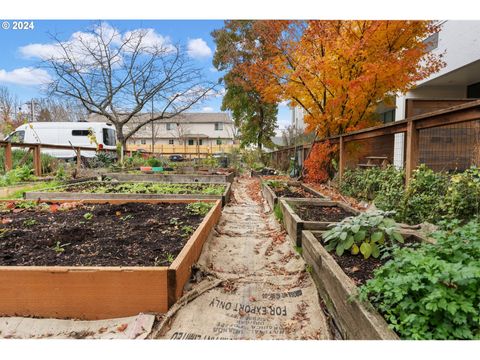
451 134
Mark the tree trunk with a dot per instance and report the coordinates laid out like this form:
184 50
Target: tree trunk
121 140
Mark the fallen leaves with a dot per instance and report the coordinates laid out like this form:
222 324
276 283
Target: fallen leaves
122 328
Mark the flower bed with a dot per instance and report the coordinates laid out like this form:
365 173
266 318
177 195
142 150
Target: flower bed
99 259
95 190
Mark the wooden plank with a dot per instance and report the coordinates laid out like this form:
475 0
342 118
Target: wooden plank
8 158
341 160
411 156
37 160
82 292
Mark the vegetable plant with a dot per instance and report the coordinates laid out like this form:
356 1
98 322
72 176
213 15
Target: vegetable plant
199 208
88 216
432 291
366 233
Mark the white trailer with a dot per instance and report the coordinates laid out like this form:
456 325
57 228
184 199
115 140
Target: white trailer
84 134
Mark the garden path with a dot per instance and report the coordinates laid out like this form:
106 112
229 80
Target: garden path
260 288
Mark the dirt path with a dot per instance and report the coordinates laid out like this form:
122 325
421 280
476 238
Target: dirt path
265 291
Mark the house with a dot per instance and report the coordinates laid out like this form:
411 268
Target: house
457 83
182 133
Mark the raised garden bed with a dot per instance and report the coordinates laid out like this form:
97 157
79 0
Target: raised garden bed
291 189
98 259
100 190
174 178
311 214
337 278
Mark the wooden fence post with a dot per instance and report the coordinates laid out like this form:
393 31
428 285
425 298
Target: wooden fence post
8 157
79 160
341 159
37 161
411 156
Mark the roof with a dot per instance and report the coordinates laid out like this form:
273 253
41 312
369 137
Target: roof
218 117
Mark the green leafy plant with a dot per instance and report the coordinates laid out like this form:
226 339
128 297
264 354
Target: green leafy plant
175 221
126 217
462 199
60 248
187 230
154 162
88 216
431 292
366 234
29 222
277 210
169 258
199 208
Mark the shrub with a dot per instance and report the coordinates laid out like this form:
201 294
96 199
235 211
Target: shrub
319 164
154 162
16 175
367 233
423 196
431 292
462 200
383 185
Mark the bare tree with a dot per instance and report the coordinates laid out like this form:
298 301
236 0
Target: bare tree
116 75
181 131
56 109
9 104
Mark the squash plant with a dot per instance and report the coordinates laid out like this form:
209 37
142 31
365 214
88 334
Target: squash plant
365 234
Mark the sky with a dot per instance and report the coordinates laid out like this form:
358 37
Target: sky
22 51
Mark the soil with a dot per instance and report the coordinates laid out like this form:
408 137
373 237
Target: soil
132 234
322 213
356 267
142 188
292 191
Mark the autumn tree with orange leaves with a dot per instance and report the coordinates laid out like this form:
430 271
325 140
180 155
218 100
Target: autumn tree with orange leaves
337 71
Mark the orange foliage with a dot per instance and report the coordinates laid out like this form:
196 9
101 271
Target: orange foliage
337 71
319 164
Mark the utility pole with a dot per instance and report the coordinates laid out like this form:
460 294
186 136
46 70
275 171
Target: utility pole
153 132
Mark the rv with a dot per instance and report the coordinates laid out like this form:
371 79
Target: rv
84 134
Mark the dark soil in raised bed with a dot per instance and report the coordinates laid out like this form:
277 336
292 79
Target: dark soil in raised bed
356 267
321 213
292 191
133 234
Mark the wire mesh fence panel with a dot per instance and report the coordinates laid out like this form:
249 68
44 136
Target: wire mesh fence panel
377 151
450 147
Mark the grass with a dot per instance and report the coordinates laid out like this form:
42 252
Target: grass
277 210
33 187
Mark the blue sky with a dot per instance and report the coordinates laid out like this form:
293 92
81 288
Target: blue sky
19 65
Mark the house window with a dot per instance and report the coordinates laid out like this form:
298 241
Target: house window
473 91
171 142
80 132
388 116
171 126
200 142
431 42
190 141
143 141
219 141
218 126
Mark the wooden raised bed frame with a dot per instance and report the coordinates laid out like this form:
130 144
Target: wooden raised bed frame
356 321
102 292
173 178
43 195
295 225
272 199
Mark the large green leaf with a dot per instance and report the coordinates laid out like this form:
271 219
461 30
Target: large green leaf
354 250
355 228
340 249
349 242
343 235
397 236
366 250
360 236
377 236
375 250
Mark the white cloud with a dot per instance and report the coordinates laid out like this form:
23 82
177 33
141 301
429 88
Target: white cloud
213 69
80 43
207 109
25 76
198 48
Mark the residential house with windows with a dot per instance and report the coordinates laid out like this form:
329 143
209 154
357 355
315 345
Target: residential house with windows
214 131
